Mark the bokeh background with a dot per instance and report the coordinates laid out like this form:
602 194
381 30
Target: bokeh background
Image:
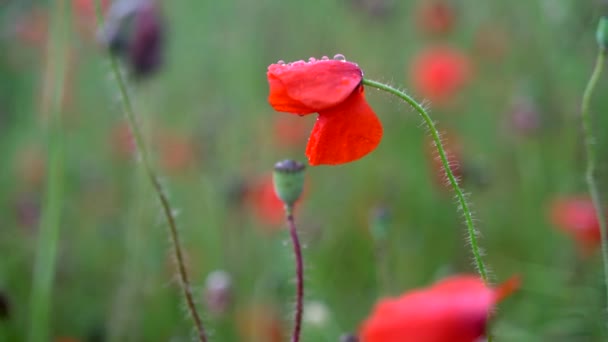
515 73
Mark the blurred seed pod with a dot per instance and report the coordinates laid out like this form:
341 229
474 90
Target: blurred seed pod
524 118
218 292
348 338
135 31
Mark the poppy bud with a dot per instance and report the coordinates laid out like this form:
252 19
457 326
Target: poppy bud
288 180
602 33
134 31
218 291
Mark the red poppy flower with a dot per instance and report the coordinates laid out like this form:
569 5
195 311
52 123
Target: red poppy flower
439 72
577 217
435 17
347 128
455 309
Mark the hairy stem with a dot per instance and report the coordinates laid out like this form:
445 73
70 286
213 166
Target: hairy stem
48 237
297 251
462 202
160 193
591 159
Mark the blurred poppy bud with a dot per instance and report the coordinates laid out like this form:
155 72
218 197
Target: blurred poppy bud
348 338
135 31
288 180
602 33
218 292
380 223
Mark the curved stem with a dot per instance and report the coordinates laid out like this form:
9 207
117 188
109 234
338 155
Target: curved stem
297 250
48 237
468 217
160 193
591 159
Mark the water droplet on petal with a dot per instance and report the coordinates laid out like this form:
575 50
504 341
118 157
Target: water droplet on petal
340 57
312 60
281 62
325 58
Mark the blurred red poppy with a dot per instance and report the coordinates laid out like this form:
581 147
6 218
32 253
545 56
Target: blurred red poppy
435 17
455 309
266 206
576 216
439 72
177 151
347 128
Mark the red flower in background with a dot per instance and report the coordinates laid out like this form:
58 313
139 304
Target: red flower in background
435 17
439 72
347 128
577 217
455 309
266 206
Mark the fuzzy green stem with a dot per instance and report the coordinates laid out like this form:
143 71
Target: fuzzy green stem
464 206
48 237
297 251
160 193
591 159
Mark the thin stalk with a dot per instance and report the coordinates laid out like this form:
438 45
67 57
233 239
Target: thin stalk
591 159
48 237
464 206
297 251
160 193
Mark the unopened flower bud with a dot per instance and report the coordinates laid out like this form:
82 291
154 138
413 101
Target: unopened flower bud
218 292
288 179
602 33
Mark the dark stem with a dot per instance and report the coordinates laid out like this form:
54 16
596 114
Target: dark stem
153 178
297 251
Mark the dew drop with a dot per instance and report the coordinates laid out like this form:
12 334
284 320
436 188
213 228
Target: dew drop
312 60
325 58
281 62
340 57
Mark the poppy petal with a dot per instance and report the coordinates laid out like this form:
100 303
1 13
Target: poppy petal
306 87
344 133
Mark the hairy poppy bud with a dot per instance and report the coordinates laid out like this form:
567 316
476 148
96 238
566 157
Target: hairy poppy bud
602 33
134 31
288 179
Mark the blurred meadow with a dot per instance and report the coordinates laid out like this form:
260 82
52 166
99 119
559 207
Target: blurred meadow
373 228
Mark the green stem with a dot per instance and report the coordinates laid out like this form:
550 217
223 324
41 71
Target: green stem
48 237
160 193
468 217
591 159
